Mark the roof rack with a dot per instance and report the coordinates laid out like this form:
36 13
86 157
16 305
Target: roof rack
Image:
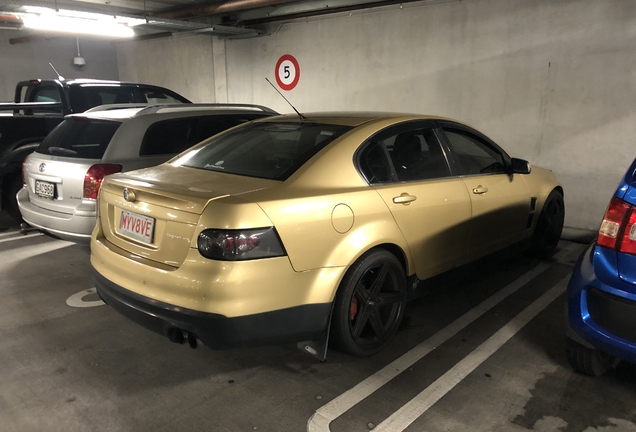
117 106
154 108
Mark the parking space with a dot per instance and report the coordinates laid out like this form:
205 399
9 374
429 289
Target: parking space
482 350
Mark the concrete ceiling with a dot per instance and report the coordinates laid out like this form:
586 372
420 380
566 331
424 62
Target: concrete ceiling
225 18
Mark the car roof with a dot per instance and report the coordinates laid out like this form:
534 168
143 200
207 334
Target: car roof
353 118
81 81
121 112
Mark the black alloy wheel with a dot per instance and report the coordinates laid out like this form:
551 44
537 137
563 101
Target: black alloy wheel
547 232
369 304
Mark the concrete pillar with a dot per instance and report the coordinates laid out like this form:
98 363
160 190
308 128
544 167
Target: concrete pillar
219 69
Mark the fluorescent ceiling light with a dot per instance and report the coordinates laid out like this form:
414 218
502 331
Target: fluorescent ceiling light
79 22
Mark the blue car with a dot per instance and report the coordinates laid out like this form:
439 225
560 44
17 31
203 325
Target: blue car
601 304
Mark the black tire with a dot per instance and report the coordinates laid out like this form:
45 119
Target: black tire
588 361
10 202
547 232
369 304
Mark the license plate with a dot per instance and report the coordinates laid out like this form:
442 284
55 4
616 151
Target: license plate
136 226
45 189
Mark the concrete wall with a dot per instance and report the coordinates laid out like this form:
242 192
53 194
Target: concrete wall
30 60
551 81
181 63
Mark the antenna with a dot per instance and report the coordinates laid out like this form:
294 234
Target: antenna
302 117
60 77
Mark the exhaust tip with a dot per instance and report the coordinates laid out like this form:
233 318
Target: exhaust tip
176 336
192 341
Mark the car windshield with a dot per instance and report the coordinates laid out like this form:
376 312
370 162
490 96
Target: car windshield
79 137
266 150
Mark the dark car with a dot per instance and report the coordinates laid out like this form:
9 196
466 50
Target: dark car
601 305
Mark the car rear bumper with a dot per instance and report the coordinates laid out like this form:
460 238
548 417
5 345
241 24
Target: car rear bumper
216 331
68 226
601 308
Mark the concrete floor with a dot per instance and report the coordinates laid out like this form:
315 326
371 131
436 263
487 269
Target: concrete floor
464 360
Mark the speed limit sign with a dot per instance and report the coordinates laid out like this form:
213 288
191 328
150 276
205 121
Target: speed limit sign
287 72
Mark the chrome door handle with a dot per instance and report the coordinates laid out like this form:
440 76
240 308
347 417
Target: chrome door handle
480 190
404 198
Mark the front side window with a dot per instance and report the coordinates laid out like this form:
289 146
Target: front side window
265 150
79 138
474 155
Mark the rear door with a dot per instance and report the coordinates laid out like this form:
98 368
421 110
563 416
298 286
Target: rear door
409 169
55 172
500 200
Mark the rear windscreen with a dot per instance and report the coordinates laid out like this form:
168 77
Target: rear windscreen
265 150
79 138
176 135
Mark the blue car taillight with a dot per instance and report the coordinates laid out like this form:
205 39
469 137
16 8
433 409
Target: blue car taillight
618 229
239 245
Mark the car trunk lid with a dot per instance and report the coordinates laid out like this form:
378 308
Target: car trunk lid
56 183
55 173
154 213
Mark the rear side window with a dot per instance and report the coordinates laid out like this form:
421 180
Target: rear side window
157 96
87 97
374 164
174 136
79 138
265 150
44 93
414 153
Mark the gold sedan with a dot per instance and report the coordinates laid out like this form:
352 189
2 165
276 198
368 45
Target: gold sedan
308 229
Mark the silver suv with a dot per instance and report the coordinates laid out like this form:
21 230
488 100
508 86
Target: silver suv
62 177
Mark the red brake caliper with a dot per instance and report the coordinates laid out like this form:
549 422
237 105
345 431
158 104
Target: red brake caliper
353 310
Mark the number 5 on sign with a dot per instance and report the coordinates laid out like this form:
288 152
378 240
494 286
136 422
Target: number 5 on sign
287 72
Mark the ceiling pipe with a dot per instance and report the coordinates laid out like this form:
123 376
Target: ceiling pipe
10 17
325 11
219 8
31 38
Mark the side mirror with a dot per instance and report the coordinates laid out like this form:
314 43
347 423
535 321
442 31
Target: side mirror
520 166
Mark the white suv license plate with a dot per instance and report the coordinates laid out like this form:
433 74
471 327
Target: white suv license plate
45 189
136 226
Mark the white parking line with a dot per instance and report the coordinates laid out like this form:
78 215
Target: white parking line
402 418
319 422
20 237
8 233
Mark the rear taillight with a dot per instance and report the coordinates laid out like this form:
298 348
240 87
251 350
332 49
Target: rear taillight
618 229
94 177
238 245
23 167
628 244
